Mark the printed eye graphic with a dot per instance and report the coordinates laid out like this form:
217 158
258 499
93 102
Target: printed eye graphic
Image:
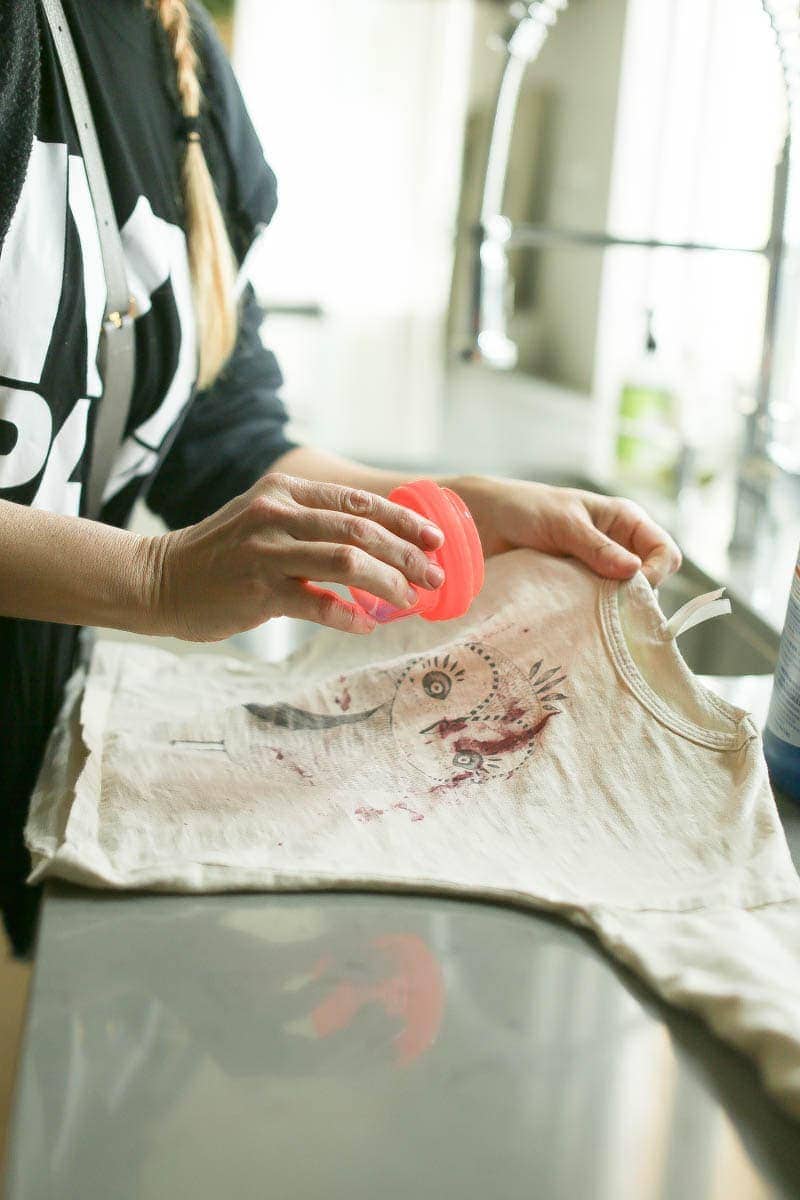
468 759
437 684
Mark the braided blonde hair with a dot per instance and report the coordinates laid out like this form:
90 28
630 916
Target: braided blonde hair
211 259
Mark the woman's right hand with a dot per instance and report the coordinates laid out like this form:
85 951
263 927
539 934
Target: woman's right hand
254 558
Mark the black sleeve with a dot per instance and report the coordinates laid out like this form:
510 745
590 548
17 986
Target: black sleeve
234 431
19 99
245 183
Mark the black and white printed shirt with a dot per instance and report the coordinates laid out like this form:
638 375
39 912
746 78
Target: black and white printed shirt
186 452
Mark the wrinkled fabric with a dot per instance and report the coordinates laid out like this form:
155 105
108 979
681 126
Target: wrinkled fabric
551 749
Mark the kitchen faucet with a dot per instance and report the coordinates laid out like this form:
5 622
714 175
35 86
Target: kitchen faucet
494 236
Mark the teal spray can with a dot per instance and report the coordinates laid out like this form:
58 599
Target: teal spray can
782 733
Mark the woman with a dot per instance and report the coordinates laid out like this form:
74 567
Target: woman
253 516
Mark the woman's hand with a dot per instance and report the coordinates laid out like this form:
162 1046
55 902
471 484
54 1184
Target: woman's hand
252 559
614 537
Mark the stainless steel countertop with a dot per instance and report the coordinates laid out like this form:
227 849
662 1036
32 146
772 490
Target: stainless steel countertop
359 1046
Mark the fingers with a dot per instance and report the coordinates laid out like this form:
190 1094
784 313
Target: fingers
630 525
309 603
600 552
401 521
625 523
319 525
338 563
662 563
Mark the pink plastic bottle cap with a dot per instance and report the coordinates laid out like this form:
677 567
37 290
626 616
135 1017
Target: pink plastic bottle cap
460 556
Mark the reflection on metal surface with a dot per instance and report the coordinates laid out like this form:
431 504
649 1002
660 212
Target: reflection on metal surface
160 1060
411 991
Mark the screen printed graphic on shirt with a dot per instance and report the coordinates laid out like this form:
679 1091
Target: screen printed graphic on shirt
465 715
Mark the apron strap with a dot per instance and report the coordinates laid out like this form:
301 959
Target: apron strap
117 346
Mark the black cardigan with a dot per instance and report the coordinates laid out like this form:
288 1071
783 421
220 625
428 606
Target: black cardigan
19 99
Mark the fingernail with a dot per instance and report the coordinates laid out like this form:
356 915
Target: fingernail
432 536
434 576
411 597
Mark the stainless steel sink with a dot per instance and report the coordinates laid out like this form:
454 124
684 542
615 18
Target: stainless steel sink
739 644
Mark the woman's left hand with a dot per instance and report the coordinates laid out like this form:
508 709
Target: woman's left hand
613 536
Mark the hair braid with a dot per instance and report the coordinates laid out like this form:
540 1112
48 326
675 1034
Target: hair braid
211 260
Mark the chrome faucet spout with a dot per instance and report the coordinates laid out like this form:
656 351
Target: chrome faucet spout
522 44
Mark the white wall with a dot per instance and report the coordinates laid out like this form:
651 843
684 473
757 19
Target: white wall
359 104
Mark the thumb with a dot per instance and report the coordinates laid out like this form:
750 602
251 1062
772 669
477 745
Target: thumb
600 552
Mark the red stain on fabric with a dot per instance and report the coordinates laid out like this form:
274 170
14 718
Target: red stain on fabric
415 816
345 700
450 784
502 745
410 990
367 814
293 766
